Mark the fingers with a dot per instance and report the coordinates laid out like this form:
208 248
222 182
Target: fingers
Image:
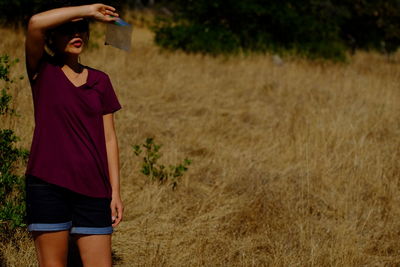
117 220
109 19
109 12
116 213
113 214
104 13
103 7
111 16
109 7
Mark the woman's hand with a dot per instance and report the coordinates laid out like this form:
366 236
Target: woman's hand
117 209
103 13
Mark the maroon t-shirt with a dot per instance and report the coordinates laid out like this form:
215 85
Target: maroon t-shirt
68 145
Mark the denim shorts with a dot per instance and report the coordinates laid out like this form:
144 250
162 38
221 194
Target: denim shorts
53 208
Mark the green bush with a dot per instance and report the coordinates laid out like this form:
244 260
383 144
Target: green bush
156 171
373 24
314 28
12 193
196 38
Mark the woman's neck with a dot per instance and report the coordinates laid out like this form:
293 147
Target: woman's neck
71 61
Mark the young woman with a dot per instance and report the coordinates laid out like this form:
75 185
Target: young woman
72 177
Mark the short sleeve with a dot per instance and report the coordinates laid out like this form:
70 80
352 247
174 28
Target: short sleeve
110 100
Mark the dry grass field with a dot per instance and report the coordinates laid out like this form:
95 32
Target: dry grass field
293 165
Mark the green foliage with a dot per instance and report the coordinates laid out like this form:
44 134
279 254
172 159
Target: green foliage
11 185
181 37
373 24
5 98
12 196
314 28
156 171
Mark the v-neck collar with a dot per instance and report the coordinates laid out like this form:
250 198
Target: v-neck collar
70 82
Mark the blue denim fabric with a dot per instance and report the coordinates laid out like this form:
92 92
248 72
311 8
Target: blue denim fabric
67 226
92 230
49 226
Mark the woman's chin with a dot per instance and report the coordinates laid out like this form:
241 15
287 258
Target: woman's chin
73 51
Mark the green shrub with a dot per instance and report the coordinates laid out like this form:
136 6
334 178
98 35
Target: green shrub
314 28
373 24
196 38
12 193
156 171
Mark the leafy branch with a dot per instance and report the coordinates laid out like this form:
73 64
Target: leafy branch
156 171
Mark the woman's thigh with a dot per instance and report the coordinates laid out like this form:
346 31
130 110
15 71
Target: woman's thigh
51 247
49 220
95 250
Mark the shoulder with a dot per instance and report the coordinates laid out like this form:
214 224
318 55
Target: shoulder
99 74
98 79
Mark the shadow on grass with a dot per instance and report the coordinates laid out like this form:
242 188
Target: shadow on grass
2 260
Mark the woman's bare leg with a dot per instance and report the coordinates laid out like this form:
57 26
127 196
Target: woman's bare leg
51 248
95 250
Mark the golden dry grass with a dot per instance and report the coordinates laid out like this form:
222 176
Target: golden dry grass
293 165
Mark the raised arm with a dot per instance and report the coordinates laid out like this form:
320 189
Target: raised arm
41 22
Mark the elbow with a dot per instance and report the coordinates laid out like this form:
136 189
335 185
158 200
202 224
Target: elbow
33 21
34 24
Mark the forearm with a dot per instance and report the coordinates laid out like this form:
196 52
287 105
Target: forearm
113 164
54 17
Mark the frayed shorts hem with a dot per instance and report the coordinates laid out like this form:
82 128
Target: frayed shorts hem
49 227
